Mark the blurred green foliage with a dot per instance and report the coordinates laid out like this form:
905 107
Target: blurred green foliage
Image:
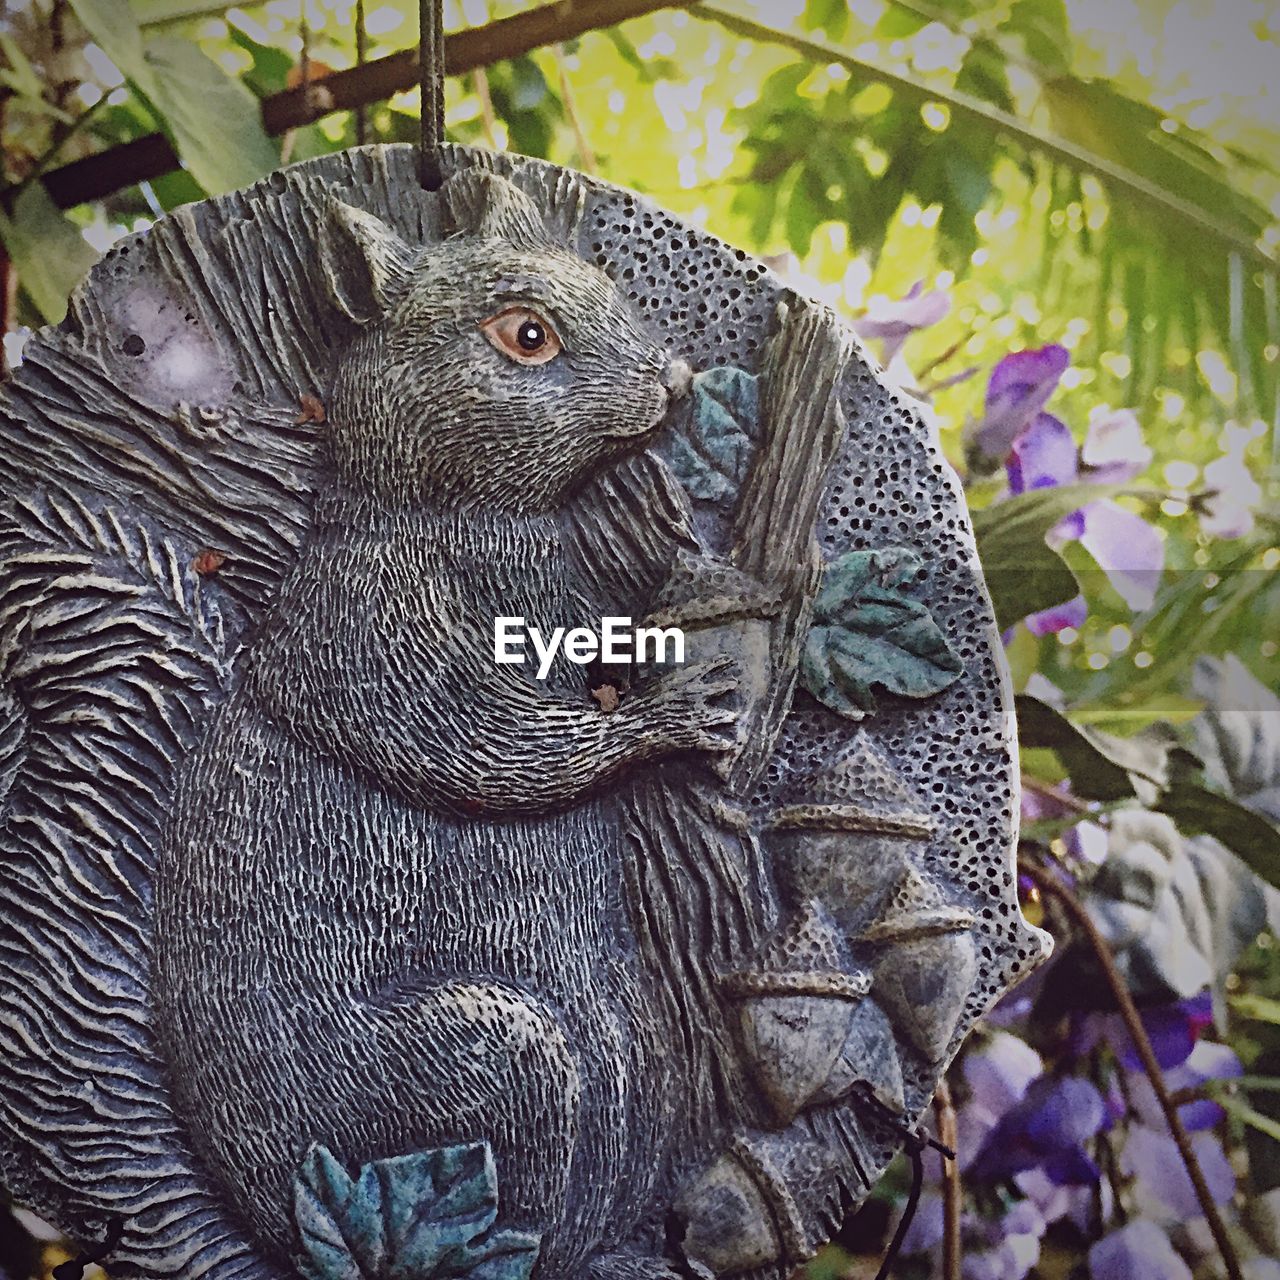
1095 173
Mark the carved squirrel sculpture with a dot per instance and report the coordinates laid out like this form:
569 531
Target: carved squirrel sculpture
335 950
356 944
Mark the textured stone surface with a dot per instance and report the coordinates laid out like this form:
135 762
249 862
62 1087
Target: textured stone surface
304 901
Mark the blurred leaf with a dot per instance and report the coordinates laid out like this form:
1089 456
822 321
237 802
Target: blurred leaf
967 168
1254 1119
828 16
1044 31
176 189
158 12
1100 766
114 29
898 22
1158 772
214 120
1172 708
1198 810
983 73
807 209
18 74
525 103
211 117
648 70
270 67
1024 574
47 249
1258 1008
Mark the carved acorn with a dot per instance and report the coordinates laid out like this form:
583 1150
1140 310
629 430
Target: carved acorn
845 839
809 1033
747 1209
927 962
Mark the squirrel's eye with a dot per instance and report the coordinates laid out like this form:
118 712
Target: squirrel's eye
522 335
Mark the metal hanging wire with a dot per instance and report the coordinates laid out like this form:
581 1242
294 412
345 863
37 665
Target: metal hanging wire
915 1141
74 1269
431 73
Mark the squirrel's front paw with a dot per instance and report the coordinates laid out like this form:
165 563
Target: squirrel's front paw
690 708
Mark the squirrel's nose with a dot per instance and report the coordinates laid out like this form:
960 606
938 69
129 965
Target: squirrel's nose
676 378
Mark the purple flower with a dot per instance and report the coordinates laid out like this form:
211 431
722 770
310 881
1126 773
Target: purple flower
1114 450
925 1232
1020 386
999 1073
1080 1204
1042 454
1087 842
1128 550
1004 1248
1228 511
1172 1028
894 322
1162 1183
1012 1259
1047 1129
1207 1061
1140 1249
1048 622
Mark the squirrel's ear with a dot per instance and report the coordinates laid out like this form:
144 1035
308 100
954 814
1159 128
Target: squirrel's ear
484 205
365 264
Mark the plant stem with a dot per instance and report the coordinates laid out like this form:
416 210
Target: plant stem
952 1191
42 162
1049 884
143 159
586 156
1069 802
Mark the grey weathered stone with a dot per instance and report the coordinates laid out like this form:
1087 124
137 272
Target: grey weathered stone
296 882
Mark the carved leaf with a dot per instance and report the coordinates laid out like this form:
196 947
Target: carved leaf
427 1216
868 630
712 444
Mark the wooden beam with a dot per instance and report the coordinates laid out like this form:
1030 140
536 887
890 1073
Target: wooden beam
98 176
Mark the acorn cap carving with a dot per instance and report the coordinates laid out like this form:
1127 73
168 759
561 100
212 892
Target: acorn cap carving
796 1007
925 973
859 792
916 908
748 1208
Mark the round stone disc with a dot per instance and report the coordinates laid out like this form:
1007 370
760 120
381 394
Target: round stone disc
159 456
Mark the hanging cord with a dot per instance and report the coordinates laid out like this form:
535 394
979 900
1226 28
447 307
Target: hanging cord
74 1270
431 70
915 1142
362 53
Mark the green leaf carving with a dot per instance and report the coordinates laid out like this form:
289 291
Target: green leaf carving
427 1216
868 630
712 445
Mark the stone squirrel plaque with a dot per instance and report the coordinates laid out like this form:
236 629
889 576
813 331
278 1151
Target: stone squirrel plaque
332 945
